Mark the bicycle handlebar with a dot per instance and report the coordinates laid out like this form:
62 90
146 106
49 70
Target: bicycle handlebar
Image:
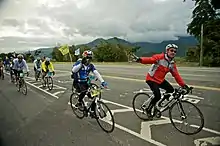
184 91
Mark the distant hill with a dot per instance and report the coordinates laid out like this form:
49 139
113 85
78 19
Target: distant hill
146 47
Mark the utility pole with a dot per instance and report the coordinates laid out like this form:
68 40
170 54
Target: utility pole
201 47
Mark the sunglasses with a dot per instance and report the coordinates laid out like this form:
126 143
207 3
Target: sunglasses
173 51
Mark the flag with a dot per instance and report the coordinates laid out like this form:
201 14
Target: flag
64 49
77 52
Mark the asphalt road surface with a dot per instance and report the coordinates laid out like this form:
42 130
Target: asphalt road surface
44 118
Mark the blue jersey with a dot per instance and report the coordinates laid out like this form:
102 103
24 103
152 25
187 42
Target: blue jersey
83 73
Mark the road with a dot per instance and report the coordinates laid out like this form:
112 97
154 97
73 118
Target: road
44 117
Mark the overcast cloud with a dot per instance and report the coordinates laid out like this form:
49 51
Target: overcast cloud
28 24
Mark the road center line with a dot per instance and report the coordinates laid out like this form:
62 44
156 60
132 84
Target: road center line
138 80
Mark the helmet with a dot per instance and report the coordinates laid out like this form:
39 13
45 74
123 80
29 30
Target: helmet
87 54
171 46
48 59
38 58
20 56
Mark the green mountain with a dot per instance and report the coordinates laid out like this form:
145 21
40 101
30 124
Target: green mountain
146 47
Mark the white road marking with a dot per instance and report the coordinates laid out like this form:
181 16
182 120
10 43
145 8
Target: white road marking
58 92
133 133
42 90
210 140
146 129
167 118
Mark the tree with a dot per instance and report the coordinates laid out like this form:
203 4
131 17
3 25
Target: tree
214 3
202 13
205 13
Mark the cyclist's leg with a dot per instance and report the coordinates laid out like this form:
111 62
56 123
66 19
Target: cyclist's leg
167 86
83 89
156 91
35 70
43 74
16 74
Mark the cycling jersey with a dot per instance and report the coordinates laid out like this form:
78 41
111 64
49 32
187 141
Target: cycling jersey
81 72
161 65
46 68
20 66
37 64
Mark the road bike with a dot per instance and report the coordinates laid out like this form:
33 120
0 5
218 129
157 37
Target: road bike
21 84
101 116
48 80
37 74
169 101
2 73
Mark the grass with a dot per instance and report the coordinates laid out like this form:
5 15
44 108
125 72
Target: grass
182 62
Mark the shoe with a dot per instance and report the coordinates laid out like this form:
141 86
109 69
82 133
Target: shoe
93 115
79 105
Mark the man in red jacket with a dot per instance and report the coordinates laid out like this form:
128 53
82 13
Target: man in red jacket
161 65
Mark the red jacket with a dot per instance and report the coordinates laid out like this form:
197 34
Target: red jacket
160 67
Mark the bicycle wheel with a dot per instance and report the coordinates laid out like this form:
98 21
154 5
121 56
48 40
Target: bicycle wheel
50 83
18 85
73 88
77 111
106 116
24 87
182 107
43 81
140 103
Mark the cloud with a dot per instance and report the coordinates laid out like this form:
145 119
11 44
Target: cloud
45 22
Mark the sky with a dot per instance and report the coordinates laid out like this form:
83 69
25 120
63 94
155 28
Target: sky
29 24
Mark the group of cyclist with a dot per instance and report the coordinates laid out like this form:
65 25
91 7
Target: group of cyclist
161 64
17 64
155 78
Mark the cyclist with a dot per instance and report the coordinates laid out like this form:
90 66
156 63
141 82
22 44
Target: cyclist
19 66
80 73
37 65
11 68
7 63
155 78
1 68
47 66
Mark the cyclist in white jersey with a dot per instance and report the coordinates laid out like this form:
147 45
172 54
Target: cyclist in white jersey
19 66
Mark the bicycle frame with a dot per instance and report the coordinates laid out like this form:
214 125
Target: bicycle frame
95 97
173 98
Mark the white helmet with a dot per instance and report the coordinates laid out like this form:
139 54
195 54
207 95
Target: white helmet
171 46
87 54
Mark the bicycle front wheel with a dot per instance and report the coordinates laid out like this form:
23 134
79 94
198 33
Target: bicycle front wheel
105 117
24 87
182 107
50 83
73 101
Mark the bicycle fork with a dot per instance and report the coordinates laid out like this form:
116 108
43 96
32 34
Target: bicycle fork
180 109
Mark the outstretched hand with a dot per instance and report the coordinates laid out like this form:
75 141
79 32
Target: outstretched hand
135 58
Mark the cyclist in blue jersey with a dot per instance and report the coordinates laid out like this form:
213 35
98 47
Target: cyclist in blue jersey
80 74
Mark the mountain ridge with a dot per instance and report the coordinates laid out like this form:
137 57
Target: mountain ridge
183 42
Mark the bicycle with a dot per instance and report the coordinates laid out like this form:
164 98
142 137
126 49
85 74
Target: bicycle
48 80
37 74
2 73
168 103
13 77
22 84
95 100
